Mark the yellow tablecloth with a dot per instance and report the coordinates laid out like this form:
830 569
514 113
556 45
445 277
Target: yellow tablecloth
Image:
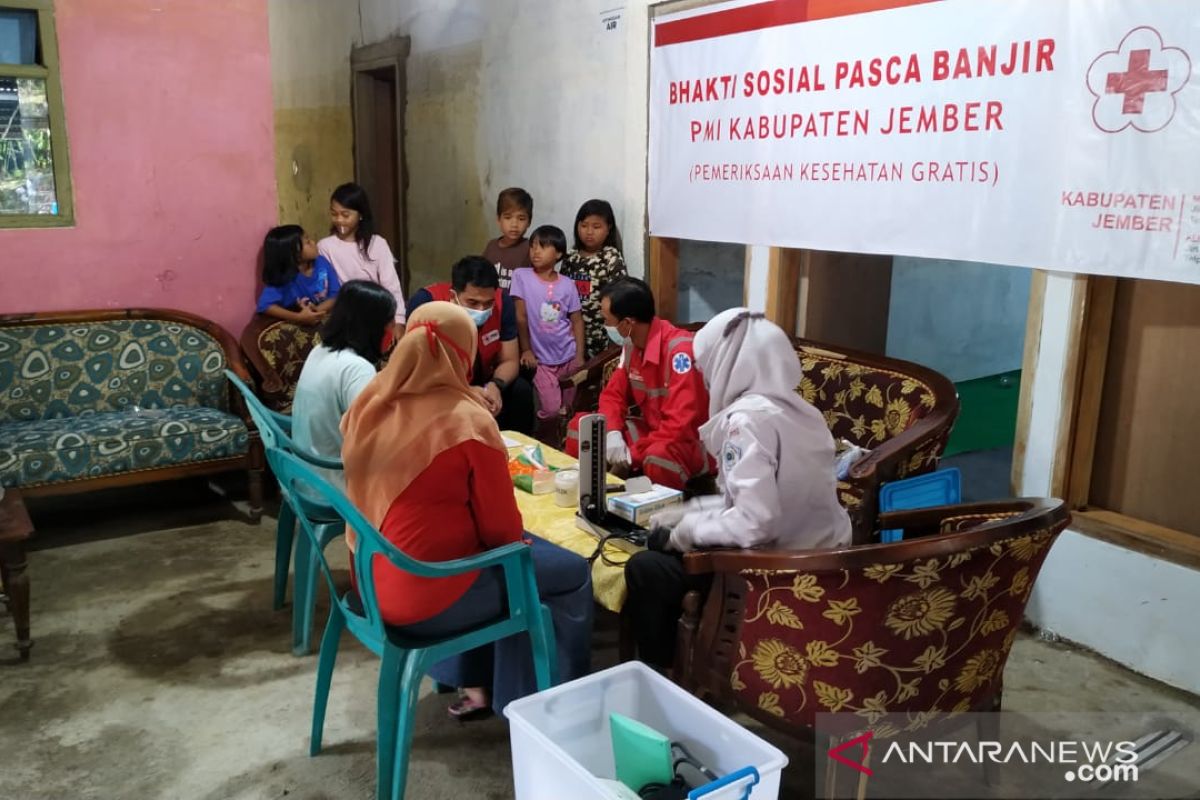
556 524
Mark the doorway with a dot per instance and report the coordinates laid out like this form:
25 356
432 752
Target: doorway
968 321
378 99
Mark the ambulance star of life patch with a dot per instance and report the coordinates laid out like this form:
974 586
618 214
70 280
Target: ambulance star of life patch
681 363
731 455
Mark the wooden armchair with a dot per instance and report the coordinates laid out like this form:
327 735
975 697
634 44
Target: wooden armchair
912 630
900 411
276 350
590 379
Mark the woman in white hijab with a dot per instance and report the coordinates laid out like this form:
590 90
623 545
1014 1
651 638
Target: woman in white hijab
775 457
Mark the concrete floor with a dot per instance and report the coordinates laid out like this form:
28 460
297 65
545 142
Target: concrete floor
160 671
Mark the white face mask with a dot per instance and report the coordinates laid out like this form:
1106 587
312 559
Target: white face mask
614 333
479 315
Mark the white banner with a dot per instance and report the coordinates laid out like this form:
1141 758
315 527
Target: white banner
1058 134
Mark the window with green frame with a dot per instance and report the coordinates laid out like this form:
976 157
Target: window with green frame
35 180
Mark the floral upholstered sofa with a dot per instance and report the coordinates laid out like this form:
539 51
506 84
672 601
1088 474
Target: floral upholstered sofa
276 350
902 412
897 636
95 399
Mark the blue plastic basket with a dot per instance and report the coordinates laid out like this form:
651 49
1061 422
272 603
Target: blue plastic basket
941 488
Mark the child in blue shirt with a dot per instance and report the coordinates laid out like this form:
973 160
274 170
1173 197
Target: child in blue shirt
300 284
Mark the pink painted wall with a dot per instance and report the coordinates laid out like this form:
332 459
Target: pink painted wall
170 126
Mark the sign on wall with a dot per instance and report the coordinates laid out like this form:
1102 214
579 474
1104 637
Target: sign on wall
1058 134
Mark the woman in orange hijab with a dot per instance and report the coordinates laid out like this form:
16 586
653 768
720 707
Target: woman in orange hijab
426 464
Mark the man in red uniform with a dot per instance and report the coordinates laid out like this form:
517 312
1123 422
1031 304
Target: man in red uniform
655 402
475 285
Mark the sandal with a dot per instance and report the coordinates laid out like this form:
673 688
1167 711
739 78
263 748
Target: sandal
465 709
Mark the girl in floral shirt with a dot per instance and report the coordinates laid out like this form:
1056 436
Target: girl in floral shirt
595 262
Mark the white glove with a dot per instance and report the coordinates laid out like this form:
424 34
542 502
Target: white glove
669 517
616 452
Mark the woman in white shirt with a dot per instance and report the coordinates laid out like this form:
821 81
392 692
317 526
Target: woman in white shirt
775 457
359 330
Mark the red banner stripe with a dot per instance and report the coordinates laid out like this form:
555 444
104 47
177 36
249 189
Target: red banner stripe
770 14
734 20
827 9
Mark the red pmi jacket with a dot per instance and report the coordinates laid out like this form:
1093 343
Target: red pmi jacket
663 382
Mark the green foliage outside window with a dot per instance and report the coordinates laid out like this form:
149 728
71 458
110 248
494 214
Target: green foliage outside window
35 186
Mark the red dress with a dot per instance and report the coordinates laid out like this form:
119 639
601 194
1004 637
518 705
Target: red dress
461 505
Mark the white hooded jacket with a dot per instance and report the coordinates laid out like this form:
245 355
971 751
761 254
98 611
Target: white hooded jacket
774 451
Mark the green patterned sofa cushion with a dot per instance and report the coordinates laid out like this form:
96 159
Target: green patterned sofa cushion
107 443
62 370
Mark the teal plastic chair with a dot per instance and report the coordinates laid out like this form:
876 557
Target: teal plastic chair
406 659
275 430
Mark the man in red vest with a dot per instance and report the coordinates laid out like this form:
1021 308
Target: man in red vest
475 285
655 401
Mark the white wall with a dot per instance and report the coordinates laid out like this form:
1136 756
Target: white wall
964 319
711 278
1134 609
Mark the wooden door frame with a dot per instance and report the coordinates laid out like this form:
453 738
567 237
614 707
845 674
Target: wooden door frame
390 54
783 280
1086 361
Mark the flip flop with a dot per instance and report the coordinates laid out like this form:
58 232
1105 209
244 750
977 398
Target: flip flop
465 709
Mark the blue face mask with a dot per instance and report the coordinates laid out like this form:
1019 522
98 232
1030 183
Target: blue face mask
614 333
479 315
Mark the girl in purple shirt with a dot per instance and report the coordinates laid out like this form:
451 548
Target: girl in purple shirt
549 320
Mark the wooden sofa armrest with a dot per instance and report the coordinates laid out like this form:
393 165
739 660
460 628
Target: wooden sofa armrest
269 381
588 383
918 518
592 369
899 448
1017 517
685 640
702 562
1018 511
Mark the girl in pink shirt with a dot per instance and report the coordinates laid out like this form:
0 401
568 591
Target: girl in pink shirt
356 251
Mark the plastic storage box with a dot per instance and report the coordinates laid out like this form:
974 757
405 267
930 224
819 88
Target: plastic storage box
940 488
562 746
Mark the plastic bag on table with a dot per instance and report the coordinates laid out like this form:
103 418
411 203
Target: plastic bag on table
530 472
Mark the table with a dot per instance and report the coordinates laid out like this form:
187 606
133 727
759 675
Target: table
15 530
545 519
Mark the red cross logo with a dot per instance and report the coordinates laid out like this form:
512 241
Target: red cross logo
1136 82
1128 92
